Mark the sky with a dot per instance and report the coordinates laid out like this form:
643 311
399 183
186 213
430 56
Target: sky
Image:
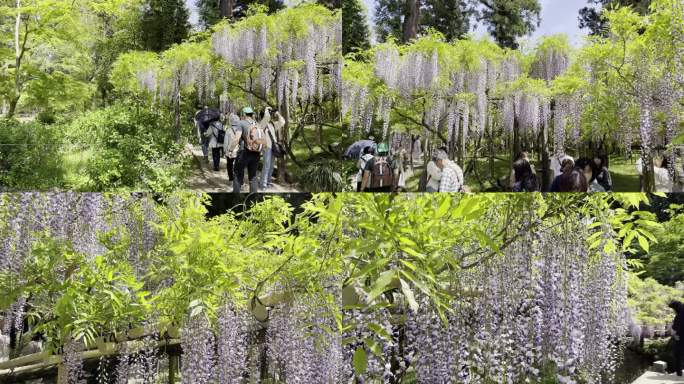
557 16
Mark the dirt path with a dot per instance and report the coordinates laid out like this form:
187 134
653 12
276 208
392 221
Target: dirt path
203 178
658 378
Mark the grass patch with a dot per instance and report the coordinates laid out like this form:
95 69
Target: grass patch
74 162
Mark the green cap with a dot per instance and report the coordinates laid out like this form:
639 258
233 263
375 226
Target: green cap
383 148
247 111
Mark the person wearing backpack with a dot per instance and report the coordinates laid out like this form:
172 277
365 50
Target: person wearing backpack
252 144
201 133
380 174
368 153
232 144
217 138
274 149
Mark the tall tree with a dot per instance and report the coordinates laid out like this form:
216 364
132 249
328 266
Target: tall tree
356 34
508 20
164 23
388 15
212 11
410 24
590 17
405 20
42 54
451 18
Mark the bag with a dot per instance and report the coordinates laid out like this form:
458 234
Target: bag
402 181
424 181
233 145
277 149
221 137
256 139
382 174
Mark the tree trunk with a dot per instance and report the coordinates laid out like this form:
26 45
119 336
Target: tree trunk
226 8
462 145
647 174
411 18
173 368
490 148
177 110
12 106
18 55
547 177
282 172
517 146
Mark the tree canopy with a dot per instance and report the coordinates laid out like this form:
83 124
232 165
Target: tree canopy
507 21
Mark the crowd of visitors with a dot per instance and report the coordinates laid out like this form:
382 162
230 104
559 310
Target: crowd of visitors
243 145
586 174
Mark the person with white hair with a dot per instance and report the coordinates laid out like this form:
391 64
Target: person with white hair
557 163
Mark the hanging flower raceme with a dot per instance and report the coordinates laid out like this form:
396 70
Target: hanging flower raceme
235 335
549 304
72 361
199 352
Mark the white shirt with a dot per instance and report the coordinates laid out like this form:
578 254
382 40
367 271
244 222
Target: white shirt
663 183
434 175
361 165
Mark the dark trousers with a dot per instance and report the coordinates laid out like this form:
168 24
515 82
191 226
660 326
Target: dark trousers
387 189
231 172
679 355
250 160
216 156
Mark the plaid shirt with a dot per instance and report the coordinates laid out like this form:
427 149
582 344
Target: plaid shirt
450 182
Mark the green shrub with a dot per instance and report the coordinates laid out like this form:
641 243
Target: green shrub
131 148
649 299
30 156
323 175
46 117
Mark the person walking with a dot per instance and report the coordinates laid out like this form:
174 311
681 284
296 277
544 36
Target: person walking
366 156
217 137
273 148
380 174
232 145
678 336
252 143
202 128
